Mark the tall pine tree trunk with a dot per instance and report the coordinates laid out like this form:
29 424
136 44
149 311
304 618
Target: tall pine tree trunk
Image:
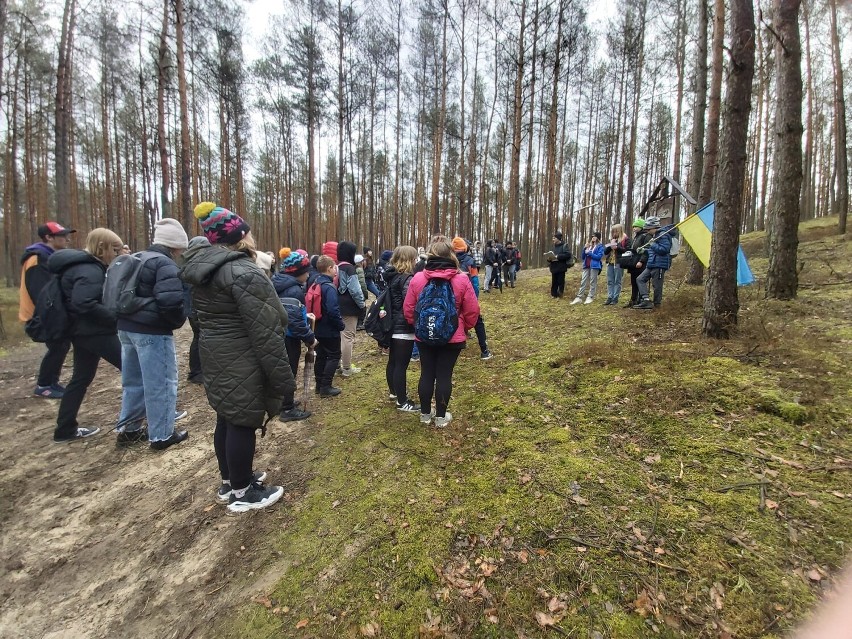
162 64
63 106
720 299
185 148
517 124
841 159
783 228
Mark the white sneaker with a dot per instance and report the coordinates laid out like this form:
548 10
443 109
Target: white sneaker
348 372
589 300
577 300
441 422
425 418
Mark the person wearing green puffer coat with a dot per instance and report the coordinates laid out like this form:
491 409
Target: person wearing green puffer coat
243 353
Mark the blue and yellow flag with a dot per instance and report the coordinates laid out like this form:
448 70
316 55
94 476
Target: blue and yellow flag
697 230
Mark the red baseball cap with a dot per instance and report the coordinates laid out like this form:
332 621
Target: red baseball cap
53 228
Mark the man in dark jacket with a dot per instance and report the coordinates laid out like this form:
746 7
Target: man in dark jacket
494 262
149 365
34 277
636 260
510 259
351 302
559 260
327 330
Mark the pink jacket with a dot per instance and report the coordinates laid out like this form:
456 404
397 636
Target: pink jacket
467 305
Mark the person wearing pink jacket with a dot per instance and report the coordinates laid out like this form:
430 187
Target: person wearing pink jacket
437 361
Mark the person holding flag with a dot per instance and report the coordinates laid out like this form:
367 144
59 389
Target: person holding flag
658 261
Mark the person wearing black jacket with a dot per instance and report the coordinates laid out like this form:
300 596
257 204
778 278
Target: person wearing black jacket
640 239
34 277
351 302
510 259
398 275
149 363
558 266
92 325
494 260
290 286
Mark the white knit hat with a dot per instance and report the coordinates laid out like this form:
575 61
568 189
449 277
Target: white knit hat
359 259
263 260
168 232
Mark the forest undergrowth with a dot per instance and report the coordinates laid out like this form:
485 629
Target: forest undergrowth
608 474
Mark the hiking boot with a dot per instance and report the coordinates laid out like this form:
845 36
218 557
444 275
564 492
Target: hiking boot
176 438
256 497
129 437
180 414
408 407
589 300
425 418
294 415
223 494
441 422
329 391
486 354
48 392
349 372
644 305
81 433
577 300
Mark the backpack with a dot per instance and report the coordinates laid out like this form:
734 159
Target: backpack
628 259
571 261
435 316
50 321
313 300
122 278
379 321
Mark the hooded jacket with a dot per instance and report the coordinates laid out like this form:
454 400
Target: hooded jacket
467 306
159 280
82 282
331 322
659 248
351 296
292 295
397 284
563 254
34 277
246 370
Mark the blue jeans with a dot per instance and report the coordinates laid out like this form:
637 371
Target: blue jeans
614 273
149 384
371 286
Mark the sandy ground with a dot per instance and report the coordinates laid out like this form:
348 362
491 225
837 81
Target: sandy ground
100 541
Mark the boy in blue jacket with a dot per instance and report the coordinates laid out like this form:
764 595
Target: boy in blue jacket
658 260
590 257
327 331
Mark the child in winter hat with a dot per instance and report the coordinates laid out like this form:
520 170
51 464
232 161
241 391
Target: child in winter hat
330 249
220 225
168 232
294 262
459 245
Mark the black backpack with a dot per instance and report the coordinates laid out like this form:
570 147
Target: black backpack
50 321
379 321
122 278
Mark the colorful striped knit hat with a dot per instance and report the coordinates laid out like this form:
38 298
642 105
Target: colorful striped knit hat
293 262
220 225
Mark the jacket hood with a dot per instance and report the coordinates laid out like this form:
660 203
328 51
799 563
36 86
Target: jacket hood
346 252
61 260
441 267
39 248
201 264
386 255
284 281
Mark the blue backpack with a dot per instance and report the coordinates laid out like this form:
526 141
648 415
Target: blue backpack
435 316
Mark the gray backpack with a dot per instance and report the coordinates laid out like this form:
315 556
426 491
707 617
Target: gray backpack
122 278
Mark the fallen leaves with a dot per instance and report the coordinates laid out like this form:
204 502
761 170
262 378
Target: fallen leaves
717 595
544 620
302 623
643 605
372 629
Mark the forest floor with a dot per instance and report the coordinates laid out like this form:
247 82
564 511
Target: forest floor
607 474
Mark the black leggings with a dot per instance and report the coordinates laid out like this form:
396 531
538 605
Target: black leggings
88 352
294 353
234 446
436 375
51 363
395 371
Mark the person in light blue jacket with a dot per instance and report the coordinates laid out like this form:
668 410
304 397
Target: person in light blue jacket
590 258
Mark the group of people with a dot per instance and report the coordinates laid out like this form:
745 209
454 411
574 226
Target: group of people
645 257
249 326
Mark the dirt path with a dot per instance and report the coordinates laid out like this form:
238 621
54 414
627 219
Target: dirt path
97 541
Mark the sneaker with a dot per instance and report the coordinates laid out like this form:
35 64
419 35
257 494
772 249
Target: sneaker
441 422
48 392
408 407
577 300
256 497
349 372
329 391
223 495
180 414
630 304
644 305
81 433
294 415
589 300
486 354
59 388
425 418
176 438
128 437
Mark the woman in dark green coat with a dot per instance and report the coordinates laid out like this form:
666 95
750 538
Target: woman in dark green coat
242 348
